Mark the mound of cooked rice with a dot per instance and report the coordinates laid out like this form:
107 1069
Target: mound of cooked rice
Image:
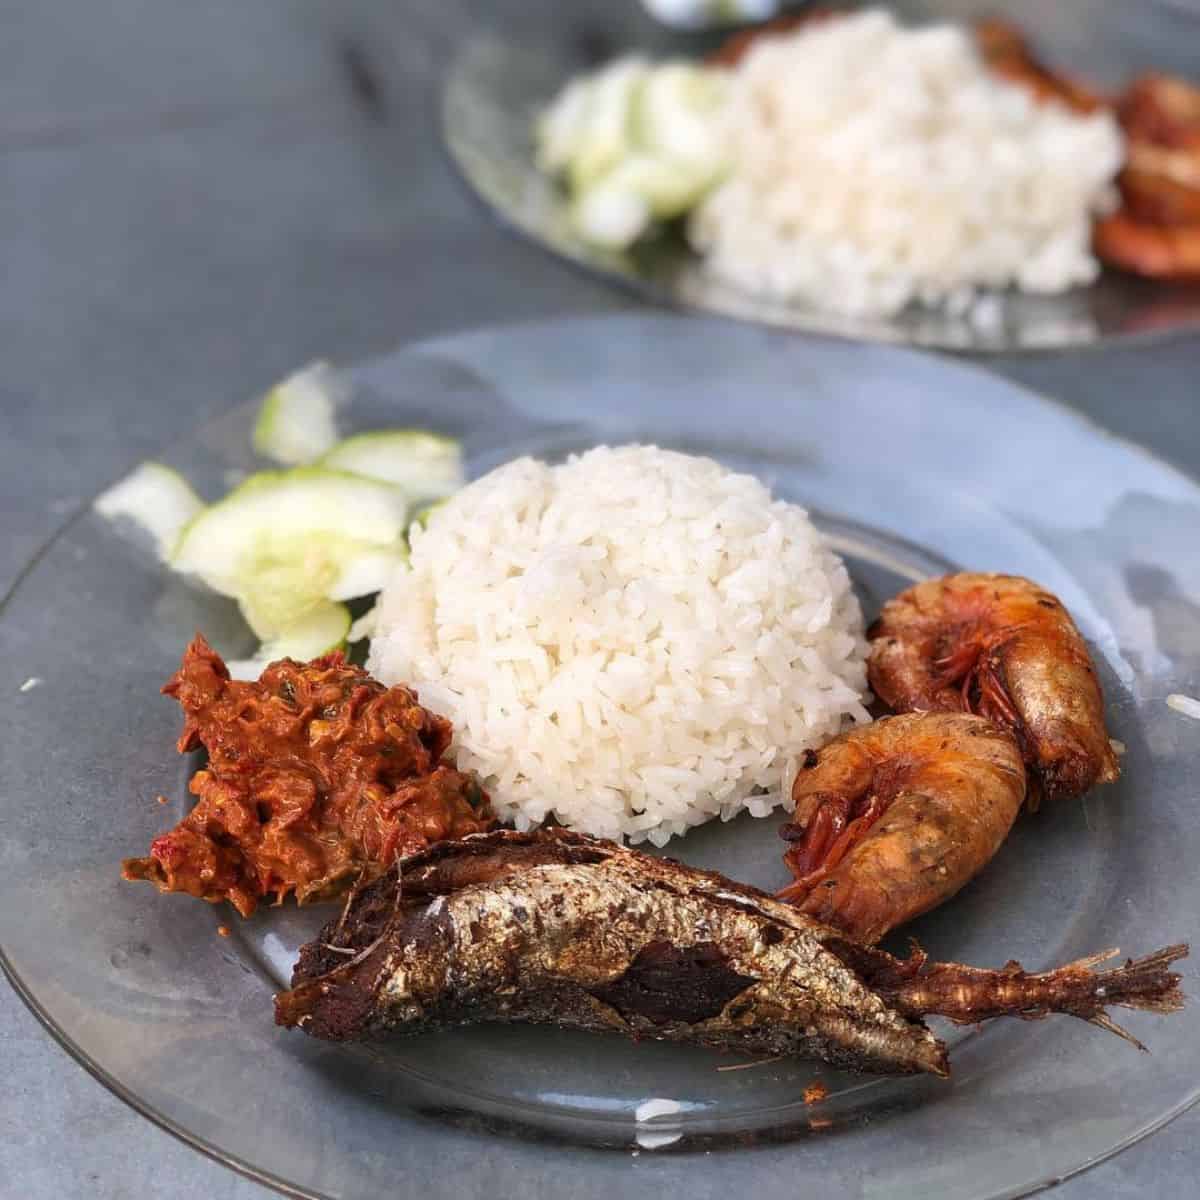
634 641
874 165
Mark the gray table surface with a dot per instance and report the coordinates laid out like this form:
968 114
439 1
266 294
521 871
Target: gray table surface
195 198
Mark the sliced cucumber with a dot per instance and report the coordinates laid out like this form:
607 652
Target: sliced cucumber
669 187
158 499
605 133
364 627
560 127
369 573
423 465
611 216
677 116
637 143
285 541
318 632
297 421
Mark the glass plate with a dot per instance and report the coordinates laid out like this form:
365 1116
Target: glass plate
499 83
913 465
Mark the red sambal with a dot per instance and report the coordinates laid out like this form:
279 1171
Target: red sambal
315 773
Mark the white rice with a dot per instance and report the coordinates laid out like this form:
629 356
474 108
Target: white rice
874 165
634 642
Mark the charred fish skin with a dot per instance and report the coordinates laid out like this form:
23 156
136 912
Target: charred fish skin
558 928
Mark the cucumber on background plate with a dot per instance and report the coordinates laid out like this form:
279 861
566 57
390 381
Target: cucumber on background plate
635 144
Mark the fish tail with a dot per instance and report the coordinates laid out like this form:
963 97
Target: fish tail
967 995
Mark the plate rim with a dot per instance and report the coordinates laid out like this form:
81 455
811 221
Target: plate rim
432 344
654 296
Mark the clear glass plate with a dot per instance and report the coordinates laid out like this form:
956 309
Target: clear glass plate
499 83
913 465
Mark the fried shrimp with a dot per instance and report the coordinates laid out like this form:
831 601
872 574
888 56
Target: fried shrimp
1008 54
1162 110
1148 247
1006 649
1157 230
892 819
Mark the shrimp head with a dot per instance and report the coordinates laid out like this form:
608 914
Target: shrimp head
1003 648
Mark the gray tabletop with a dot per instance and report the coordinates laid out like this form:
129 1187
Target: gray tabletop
195 198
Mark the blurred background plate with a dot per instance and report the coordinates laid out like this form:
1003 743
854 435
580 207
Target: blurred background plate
499 83
913 465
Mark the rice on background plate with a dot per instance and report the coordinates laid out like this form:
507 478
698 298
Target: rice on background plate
874 165
634 642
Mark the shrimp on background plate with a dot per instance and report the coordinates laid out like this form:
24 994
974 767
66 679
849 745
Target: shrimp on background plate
1003 648
1007 53
892 819
1149 247
1157 230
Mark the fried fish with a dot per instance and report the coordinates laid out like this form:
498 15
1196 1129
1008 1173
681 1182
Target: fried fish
559 928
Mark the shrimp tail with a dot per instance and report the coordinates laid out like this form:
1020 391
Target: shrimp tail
967 995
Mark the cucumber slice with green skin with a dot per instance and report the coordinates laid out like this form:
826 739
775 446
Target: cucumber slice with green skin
369 573
297 422
667 186
422 465
364 627
606 131
611 216
638 144
285 541
678 116
320 631
159 500
560 127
